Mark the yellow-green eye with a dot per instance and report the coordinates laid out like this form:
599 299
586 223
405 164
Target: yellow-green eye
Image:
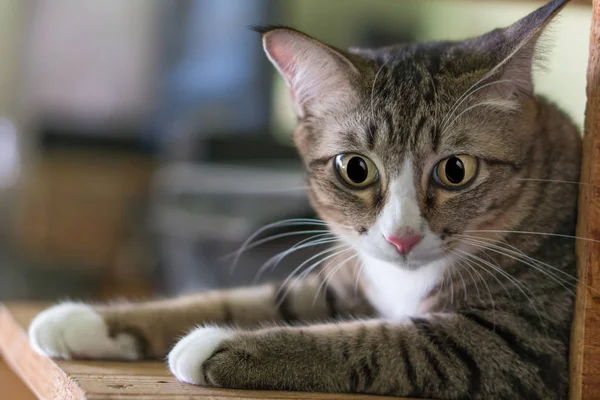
456 171
355 170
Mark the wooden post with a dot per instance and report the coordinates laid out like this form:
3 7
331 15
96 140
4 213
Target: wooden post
585 341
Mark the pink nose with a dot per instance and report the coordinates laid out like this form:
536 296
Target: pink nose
404 244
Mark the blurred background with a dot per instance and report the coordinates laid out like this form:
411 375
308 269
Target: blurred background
142 140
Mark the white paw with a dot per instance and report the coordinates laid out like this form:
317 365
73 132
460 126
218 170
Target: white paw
74 330
188 355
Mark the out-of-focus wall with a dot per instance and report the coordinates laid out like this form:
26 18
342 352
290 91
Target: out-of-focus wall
12 17
88 68
92 61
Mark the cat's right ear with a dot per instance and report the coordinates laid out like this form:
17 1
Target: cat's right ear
320 78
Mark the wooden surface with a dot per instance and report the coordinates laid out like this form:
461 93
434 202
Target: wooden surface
50 379
585 341
12 386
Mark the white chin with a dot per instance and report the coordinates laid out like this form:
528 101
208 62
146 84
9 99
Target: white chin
410 262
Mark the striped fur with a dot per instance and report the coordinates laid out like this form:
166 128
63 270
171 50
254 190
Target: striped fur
480 311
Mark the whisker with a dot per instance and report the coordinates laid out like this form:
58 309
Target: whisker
474 268
476 271
463 282
358 275
274 261
311 268
532 262
483 263
483 103
468 94
277 224
293 273
518 253
462 96
556 181
537 268
305 273
328 253
333 271
519 285
460 264
491 72
535 233
282 190
451 290
273 238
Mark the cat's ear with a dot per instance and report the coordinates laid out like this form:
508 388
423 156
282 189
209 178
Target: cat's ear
320 77
517 47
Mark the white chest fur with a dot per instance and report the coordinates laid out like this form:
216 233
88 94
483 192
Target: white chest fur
398 293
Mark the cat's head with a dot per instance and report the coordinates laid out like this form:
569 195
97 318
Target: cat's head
409 146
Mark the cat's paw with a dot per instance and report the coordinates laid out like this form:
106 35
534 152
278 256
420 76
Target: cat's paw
187 358
75 330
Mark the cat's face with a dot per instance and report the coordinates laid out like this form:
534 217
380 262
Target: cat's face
396 167
409 148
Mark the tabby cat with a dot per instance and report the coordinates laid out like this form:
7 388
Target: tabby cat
440 174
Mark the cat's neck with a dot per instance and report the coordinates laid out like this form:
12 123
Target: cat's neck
398 293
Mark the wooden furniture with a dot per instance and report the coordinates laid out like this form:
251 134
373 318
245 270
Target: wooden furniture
12 386
585 340
93 380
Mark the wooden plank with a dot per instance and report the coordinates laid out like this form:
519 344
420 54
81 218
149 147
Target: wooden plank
94 380
42 375
12 386
585 340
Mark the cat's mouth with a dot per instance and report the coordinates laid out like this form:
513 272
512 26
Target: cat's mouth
416 262
427 251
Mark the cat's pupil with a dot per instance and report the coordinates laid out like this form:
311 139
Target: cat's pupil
455 170
357 170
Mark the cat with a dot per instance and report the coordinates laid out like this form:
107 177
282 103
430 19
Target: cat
443 177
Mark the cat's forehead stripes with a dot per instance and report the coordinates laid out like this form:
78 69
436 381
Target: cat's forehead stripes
403 109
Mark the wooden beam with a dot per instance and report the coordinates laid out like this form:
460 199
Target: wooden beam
12 386
585 340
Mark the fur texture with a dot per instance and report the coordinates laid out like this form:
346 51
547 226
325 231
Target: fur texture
480 308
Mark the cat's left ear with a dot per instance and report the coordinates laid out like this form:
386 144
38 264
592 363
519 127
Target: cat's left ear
320 77
514 47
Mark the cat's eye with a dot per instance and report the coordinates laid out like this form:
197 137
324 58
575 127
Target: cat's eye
456 171
355 170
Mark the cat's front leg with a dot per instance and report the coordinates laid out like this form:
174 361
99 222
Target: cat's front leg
130 331
445 356
279 358
336 357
